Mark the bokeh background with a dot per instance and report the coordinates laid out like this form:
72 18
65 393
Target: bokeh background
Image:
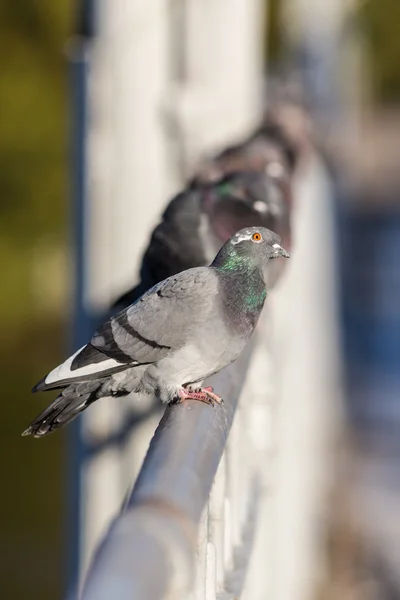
34 239
36 234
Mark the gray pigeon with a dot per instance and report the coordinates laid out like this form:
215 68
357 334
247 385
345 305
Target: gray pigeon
211 213
181 331
267 149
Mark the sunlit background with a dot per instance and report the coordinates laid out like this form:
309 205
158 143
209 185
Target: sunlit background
36 241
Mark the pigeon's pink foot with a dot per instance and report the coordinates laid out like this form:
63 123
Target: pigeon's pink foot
205 395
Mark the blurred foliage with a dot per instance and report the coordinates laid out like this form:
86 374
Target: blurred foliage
274 41
33 235
33 134
379 23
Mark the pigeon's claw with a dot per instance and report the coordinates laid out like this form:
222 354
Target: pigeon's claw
210 391
205 395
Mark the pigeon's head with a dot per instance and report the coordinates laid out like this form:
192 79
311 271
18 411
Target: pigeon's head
243 199
251 245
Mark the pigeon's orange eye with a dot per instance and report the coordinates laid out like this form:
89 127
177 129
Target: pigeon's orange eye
256 237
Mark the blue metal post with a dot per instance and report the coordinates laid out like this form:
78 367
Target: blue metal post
82 322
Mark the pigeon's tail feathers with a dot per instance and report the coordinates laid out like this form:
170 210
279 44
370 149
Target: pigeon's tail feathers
72 401
86 364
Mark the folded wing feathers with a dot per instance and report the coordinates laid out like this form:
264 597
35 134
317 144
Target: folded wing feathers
94 365
143 333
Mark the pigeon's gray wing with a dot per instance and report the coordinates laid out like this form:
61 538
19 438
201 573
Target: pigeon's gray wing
161 320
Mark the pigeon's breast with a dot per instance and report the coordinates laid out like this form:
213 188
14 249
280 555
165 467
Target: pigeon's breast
242 301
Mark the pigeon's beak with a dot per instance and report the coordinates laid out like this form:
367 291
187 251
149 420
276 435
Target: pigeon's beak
260 207
279 251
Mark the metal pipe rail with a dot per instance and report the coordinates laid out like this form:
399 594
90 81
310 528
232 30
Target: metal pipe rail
149 552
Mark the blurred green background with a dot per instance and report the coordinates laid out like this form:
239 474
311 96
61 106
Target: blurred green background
35 125
34 192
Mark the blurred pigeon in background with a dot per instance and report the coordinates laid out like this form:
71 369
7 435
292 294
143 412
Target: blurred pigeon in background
267 149
200 219
180 332
271 149
289 107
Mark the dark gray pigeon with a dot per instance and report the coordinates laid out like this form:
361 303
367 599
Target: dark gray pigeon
267 149
199 220
181 331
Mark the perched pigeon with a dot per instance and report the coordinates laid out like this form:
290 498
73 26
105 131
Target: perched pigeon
181 331
199 220
266 149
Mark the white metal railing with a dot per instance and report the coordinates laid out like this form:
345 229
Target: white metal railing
172 490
